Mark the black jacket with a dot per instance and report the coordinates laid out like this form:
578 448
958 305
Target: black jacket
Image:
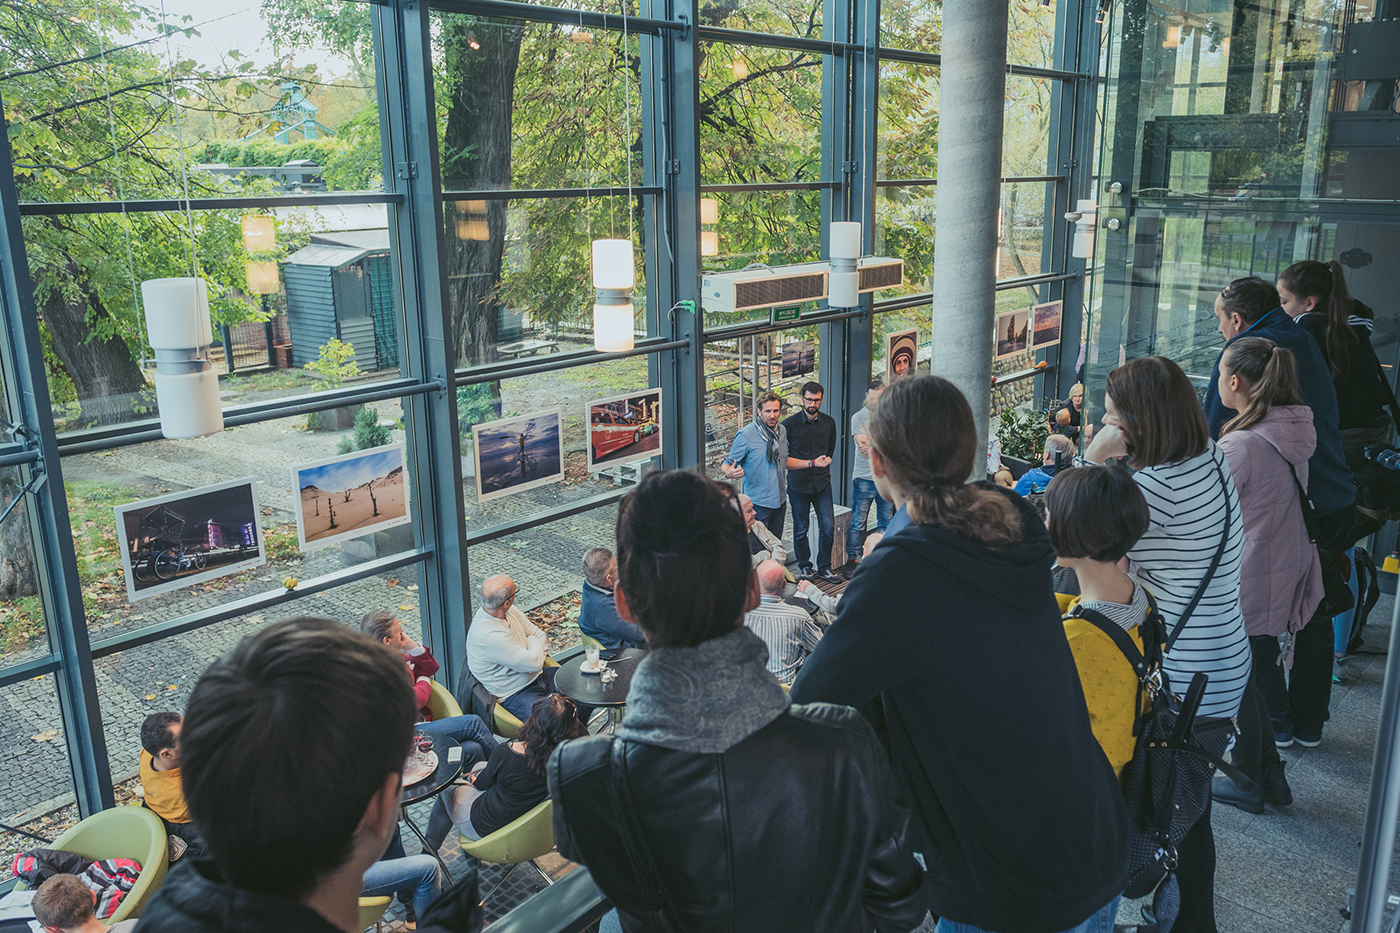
194 900
790 829
959 652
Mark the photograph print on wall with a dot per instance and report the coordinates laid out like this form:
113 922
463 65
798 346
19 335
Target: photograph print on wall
350 495
799 358
901 354
1012 333
519 453
1048 321
624 429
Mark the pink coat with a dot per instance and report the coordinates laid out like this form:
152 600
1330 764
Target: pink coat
1281 581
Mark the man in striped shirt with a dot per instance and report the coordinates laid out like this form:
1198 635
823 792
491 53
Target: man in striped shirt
789 633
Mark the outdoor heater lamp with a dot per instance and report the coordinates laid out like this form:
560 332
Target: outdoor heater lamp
844 286
614 277
179 331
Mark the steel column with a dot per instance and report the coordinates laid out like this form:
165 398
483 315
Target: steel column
403 56
27 398
972 96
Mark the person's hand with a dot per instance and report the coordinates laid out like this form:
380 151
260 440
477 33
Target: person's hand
1109 444
822 462
732 470
863 445
806 585
870 542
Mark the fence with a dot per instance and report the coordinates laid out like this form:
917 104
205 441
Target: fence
253 344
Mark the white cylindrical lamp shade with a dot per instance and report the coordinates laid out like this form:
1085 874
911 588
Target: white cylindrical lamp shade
1083 246
262 278
709 211
613 266
189 404
843 290
709 243
612 327
177 313
259 233
845 241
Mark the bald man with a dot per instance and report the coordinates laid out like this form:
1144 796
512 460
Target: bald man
506 652
789 633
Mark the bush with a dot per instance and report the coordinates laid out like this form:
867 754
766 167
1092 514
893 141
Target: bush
368 432
1022 433
335 363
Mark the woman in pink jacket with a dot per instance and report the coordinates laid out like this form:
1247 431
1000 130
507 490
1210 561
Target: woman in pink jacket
1268 445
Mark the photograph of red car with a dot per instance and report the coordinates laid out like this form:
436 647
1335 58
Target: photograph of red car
624 429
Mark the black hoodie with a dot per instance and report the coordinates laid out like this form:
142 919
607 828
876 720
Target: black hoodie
958 654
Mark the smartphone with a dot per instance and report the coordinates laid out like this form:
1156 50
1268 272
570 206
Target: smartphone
455 755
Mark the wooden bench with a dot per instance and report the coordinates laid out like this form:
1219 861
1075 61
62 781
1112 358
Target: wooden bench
525 348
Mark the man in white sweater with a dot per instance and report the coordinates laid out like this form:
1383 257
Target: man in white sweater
506 652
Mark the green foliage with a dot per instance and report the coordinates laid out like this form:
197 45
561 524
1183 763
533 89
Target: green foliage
335 364
368 432
1022 433
476 404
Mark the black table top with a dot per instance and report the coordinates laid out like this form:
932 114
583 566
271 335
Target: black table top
445 774
589 688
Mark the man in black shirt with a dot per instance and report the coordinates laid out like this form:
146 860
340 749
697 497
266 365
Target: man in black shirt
811 437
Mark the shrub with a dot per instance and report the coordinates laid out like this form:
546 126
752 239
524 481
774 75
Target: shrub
368 432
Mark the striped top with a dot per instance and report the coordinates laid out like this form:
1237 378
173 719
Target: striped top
789 633
1187 503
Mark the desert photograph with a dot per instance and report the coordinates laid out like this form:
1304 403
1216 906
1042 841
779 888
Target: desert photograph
350 495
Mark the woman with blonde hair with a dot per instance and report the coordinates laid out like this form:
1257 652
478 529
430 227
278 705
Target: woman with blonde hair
950 640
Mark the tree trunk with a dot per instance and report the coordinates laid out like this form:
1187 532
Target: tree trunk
476 155
17 576
107 379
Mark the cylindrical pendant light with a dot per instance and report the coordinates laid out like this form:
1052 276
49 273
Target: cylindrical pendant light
259 233
709 243
187 388
844 287
709 211
614 277
262 278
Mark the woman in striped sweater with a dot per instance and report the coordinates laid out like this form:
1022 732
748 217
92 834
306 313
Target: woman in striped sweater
1153 416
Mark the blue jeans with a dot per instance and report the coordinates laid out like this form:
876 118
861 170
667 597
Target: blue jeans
1100 922
419 872
802 505
772 517
863 492
1341 624
475 737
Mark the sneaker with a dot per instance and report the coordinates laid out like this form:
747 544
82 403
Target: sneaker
1224 790
1340 677
1308 741
410 917
830 576
1283 739
804 570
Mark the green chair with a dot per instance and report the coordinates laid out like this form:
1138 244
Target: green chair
520 841
441 703
507 724
372 910
122 832
590 640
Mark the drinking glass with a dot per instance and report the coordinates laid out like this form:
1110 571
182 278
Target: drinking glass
590 653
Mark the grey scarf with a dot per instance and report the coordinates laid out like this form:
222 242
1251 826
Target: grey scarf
774 453
704 699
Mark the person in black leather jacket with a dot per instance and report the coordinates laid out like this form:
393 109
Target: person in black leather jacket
718 805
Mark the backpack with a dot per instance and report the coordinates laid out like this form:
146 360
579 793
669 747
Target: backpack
1167 783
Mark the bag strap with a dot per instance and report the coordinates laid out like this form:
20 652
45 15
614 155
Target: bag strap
1305 501
1214 561
638 852
1120 637
1181 738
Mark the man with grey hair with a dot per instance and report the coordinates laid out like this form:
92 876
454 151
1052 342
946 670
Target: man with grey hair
598 617
789 633
506 652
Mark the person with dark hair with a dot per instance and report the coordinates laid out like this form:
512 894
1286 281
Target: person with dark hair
863 491
1194 543
811 435
597 617
513 781
1096 516
1268 445
64 904
161 792
1252 307
293 751
759 457
717 804
949 634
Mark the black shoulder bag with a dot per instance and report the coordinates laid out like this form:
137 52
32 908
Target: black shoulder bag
1167 783
638 852
1336 594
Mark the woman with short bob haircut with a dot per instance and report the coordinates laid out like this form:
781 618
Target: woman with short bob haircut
943 633
1153 416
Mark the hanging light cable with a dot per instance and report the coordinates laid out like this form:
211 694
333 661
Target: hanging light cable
614 270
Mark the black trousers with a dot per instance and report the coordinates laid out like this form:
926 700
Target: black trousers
1254 747
1195 875
1300 704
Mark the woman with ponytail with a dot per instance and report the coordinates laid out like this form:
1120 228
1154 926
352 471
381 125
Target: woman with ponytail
950 640
1268 445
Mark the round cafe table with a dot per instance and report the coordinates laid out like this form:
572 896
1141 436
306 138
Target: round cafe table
590 689
432 785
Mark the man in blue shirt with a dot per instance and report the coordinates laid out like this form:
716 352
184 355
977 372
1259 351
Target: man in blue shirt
1059 450
759 457
598 617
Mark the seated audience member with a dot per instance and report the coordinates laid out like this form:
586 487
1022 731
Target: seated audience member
669 842
763 544
1096 516
789 633
506 651
63 904
908 646
470 731
160 779
293 751
597 617
1059 453
512 783
1070 416
417 873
